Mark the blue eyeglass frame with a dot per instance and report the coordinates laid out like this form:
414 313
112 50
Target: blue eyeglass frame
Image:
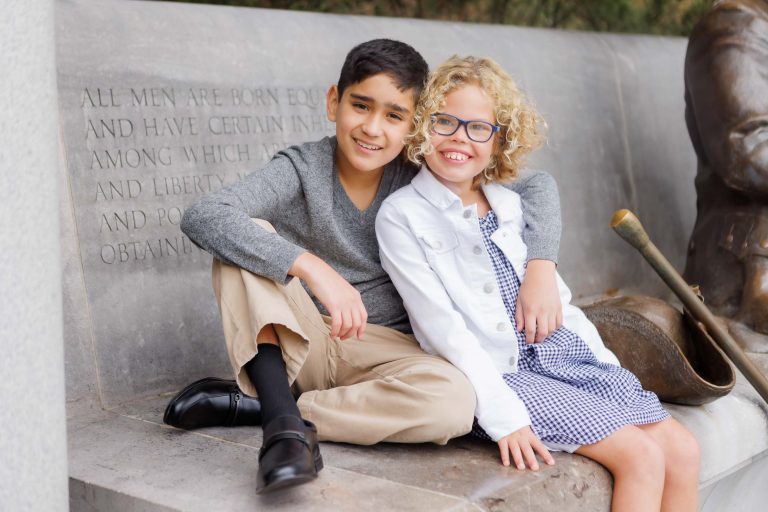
462 122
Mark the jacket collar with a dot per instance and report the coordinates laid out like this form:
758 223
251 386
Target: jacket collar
504 202
433 191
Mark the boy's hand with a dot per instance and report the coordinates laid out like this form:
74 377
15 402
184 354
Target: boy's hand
522 444
539 309
341 299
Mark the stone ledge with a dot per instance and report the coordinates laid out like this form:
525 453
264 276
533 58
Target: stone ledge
732 431
126 458
130 452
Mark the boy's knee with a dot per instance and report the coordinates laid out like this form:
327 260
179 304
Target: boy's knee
451 405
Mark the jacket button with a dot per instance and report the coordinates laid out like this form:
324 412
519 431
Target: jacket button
477 250
488 288
501 326
512 361
467 214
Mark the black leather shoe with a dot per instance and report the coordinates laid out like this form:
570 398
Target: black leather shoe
212 402
289 455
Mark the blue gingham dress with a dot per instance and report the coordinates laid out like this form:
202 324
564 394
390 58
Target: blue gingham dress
572 398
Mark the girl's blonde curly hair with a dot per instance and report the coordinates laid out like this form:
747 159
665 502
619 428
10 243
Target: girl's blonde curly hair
522 128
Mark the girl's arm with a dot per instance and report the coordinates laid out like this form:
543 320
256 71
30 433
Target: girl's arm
439 327
539 310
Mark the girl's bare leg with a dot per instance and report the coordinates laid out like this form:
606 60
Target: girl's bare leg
636 462
681 476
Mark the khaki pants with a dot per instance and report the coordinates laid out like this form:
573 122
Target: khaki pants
380 388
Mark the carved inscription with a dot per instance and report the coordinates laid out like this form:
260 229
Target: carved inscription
151 150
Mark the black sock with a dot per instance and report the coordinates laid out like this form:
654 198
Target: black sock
267 372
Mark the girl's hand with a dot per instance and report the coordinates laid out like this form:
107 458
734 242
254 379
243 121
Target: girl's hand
539 309
522 444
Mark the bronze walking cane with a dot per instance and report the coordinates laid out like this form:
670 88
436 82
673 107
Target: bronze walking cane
627 225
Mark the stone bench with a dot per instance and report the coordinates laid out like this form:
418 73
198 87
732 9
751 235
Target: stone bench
160 103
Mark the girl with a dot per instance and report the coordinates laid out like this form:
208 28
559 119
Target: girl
451 242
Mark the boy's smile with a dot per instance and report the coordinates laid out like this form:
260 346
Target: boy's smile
372 119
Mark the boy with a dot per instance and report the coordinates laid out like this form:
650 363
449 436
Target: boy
319 201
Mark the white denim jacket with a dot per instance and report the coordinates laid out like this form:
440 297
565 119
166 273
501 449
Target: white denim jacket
432 248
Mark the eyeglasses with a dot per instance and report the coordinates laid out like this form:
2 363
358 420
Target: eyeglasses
478 131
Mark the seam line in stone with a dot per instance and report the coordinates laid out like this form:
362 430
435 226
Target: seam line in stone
73 215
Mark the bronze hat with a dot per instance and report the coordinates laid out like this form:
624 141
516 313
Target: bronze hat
669 351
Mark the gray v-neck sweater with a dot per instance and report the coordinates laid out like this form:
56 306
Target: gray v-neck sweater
300 194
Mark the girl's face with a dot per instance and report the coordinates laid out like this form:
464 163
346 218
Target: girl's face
457 159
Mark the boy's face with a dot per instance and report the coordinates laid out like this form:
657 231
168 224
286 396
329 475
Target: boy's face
372 119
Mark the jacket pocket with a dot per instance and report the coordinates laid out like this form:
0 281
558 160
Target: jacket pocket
438 242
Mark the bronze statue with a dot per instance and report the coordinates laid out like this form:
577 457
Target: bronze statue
726 97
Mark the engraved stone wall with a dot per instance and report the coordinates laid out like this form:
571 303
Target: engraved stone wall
163 102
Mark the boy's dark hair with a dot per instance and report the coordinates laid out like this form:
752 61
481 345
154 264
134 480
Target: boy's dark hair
400 61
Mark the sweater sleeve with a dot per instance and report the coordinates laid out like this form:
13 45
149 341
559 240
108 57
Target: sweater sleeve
221 222
541 213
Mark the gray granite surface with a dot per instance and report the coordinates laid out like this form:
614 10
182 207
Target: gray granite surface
33 458
130 451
